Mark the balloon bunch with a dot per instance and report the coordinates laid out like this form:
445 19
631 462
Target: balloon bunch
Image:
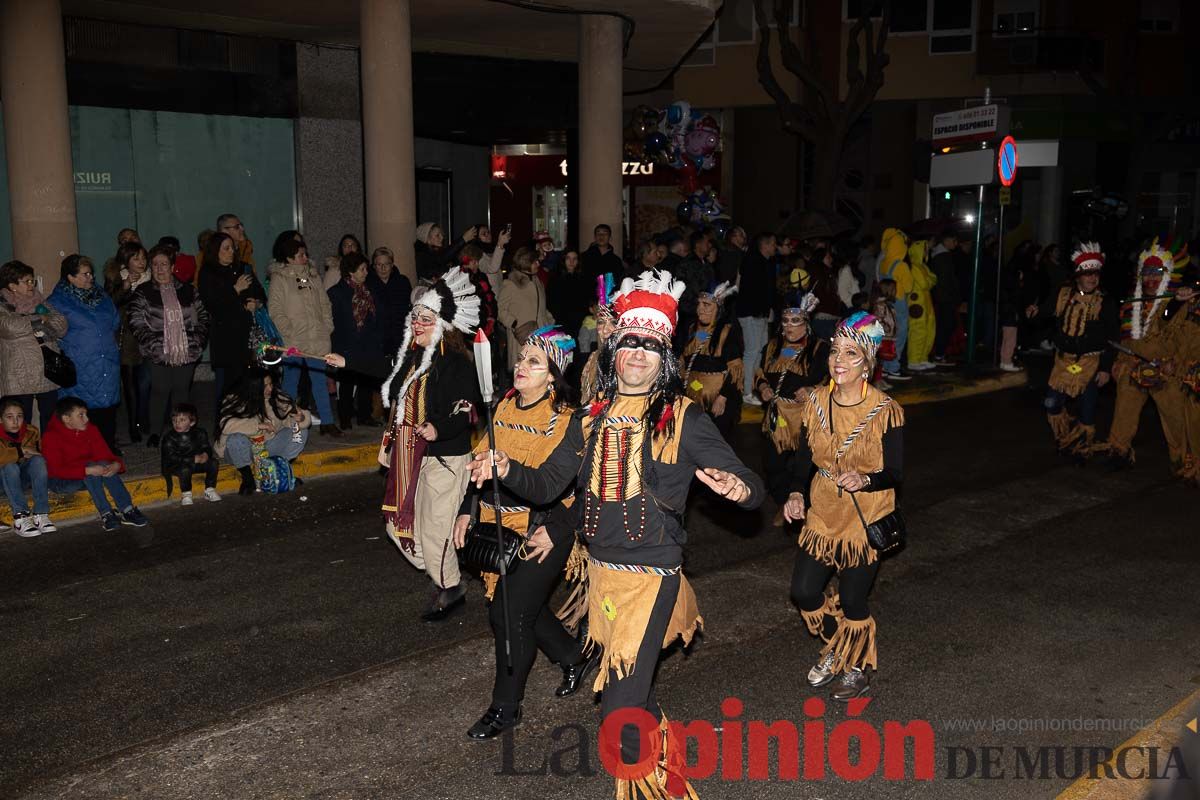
677 137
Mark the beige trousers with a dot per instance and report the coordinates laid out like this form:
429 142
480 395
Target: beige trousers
440 489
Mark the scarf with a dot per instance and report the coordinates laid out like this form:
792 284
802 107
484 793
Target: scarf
362 303
88 298
408 450
175 339
16 439
23 304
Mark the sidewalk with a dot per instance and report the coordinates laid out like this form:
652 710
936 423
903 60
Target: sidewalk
357 451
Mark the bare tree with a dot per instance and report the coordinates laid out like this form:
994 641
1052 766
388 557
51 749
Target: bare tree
822 116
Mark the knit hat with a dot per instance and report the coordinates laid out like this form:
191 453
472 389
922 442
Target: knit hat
556 343
423 231
1088 258
719 293
864 330
649 305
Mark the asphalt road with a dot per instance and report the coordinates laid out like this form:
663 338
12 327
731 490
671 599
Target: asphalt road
270 647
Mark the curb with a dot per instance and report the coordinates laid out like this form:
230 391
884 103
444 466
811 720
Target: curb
149 491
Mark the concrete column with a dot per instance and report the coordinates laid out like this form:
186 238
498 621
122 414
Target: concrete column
600 143
37 135
387 116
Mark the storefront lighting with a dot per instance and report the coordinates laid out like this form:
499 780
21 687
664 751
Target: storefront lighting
969 219
627 168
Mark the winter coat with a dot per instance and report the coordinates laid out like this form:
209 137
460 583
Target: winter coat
300 308
595 263
180 449
146 320
522 301
27 442
948 292
756 286
431 264
348 338
21 368
893 264
91 342
229 345
69 452
397 298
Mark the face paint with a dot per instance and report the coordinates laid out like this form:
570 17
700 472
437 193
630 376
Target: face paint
651 344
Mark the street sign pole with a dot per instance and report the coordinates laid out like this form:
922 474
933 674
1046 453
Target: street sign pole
975 280
999 276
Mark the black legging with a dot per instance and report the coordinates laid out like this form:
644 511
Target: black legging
778 471
636 690
354 396
531 624
809 577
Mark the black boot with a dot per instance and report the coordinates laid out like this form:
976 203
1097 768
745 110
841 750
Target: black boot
248 485
494 722
445 602
575 675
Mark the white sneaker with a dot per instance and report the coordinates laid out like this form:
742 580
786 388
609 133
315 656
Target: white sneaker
921 366
44 525
210 494
26 527
186 500
1011 368
751 400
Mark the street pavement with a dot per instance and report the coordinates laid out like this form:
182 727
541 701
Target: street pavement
269 647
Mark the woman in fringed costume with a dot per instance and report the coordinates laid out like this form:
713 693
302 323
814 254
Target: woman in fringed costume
711 362
530 422
605 325
854 438
793 361
1141 377
636 450
1085 322
432 391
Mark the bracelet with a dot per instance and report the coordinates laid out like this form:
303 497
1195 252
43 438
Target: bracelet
866 485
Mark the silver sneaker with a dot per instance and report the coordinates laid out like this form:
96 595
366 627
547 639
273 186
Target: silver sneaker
822 673
44 525
851 685
26 527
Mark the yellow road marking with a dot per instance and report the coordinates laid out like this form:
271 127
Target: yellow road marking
1163 733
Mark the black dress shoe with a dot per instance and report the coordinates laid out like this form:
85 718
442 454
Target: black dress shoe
493 723
575 675
445 603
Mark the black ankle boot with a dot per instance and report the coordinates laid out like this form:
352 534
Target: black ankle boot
575 675
494 722
248 485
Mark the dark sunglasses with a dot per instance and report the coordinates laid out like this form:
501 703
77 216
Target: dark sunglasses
651 344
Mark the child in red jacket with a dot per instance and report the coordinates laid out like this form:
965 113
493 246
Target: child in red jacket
77 457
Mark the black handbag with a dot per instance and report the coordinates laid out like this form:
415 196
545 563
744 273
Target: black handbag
58 368
480 552
885 534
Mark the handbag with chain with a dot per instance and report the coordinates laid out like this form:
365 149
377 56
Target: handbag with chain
889 532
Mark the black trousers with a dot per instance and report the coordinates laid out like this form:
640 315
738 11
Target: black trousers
531 625
778 467
636 690
45 401
209 468
809 577
945 323
168 386
105 420
354 395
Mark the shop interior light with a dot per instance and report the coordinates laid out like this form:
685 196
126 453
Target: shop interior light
969 219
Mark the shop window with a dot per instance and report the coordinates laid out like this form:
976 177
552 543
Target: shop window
550 212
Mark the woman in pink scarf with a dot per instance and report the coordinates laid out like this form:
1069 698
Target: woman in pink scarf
27 322
171 327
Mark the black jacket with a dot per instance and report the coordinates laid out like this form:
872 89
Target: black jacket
348 339
229 344
431 264
452 380
1096 334
756 287
397 298
594 264
568 297
180 449
146 320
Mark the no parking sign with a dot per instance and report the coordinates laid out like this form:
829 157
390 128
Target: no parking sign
1006 161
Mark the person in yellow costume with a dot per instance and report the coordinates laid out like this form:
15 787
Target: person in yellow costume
922 322
893 265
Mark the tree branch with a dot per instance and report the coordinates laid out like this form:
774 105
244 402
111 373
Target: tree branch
860 96
794 119
796 63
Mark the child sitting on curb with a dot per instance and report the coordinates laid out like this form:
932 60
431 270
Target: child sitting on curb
22 466
185 450
77 457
